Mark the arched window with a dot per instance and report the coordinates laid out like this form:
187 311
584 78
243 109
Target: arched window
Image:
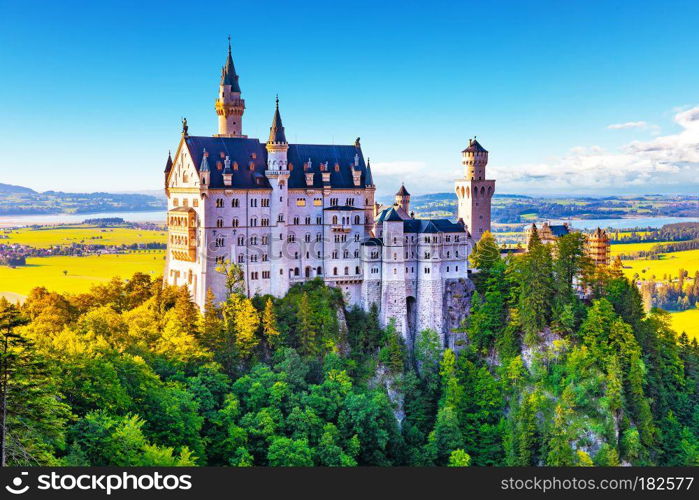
319 271
334 271
356 270
219 222
346 271
296 271
356 219
334 219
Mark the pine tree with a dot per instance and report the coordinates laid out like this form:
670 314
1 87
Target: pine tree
29 402
307 330
246 323
485 254
211 324
269 325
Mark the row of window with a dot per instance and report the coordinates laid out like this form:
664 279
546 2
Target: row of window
428 239
185 202
264 202
235 202
264 222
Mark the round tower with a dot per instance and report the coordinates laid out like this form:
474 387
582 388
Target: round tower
474 158
229 105
403 198
474 191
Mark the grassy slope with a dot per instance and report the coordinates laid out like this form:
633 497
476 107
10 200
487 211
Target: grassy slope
83 272
67 235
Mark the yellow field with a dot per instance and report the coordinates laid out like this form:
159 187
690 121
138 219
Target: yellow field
687 321
629 248
83 272
669 264
67 235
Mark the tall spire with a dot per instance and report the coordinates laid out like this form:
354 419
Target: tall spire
229 105
276 131
228 74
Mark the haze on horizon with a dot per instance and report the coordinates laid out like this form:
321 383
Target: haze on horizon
569 98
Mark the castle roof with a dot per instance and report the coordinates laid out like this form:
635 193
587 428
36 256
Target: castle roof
371 242
168 163
559 230
228 75
402 191
474 147
369 179
276 131
302 158
432 226
390 215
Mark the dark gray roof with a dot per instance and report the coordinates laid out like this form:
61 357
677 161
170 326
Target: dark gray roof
276 131
383 215
228 75
343 208
432 226
241 151
474 147
559 230
369 179
372 242
390 215
168 163
402 191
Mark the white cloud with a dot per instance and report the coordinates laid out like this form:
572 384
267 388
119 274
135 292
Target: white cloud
621 126
664 163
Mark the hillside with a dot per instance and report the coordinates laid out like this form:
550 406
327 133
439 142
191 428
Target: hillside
11 188
18 200
514 208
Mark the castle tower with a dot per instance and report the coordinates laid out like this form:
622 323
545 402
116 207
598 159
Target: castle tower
278 174
598 247
403 199
229 105
474 191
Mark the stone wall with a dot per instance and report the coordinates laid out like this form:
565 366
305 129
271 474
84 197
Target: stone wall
456 307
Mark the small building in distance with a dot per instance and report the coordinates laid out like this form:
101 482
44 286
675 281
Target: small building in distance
597 244
598 247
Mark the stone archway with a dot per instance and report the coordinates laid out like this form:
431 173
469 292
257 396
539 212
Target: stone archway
411 319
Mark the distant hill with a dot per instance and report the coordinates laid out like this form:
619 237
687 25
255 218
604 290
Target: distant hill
18 200
11 188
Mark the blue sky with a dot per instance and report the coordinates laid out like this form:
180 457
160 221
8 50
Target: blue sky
578 97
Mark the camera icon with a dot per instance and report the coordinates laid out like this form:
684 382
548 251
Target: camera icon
16 487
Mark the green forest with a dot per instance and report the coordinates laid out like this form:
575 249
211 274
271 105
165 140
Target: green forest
132 374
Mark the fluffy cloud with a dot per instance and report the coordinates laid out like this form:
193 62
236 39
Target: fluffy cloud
665 163
621 126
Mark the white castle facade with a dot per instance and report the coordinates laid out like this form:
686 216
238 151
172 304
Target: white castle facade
288 213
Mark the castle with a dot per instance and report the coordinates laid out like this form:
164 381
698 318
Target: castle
287 213
597 244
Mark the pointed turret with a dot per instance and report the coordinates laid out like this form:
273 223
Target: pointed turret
277 146
276 131
228 74
229 105
168 163
369 179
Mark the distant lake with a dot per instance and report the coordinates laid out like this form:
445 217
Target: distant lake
654 222
28 220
